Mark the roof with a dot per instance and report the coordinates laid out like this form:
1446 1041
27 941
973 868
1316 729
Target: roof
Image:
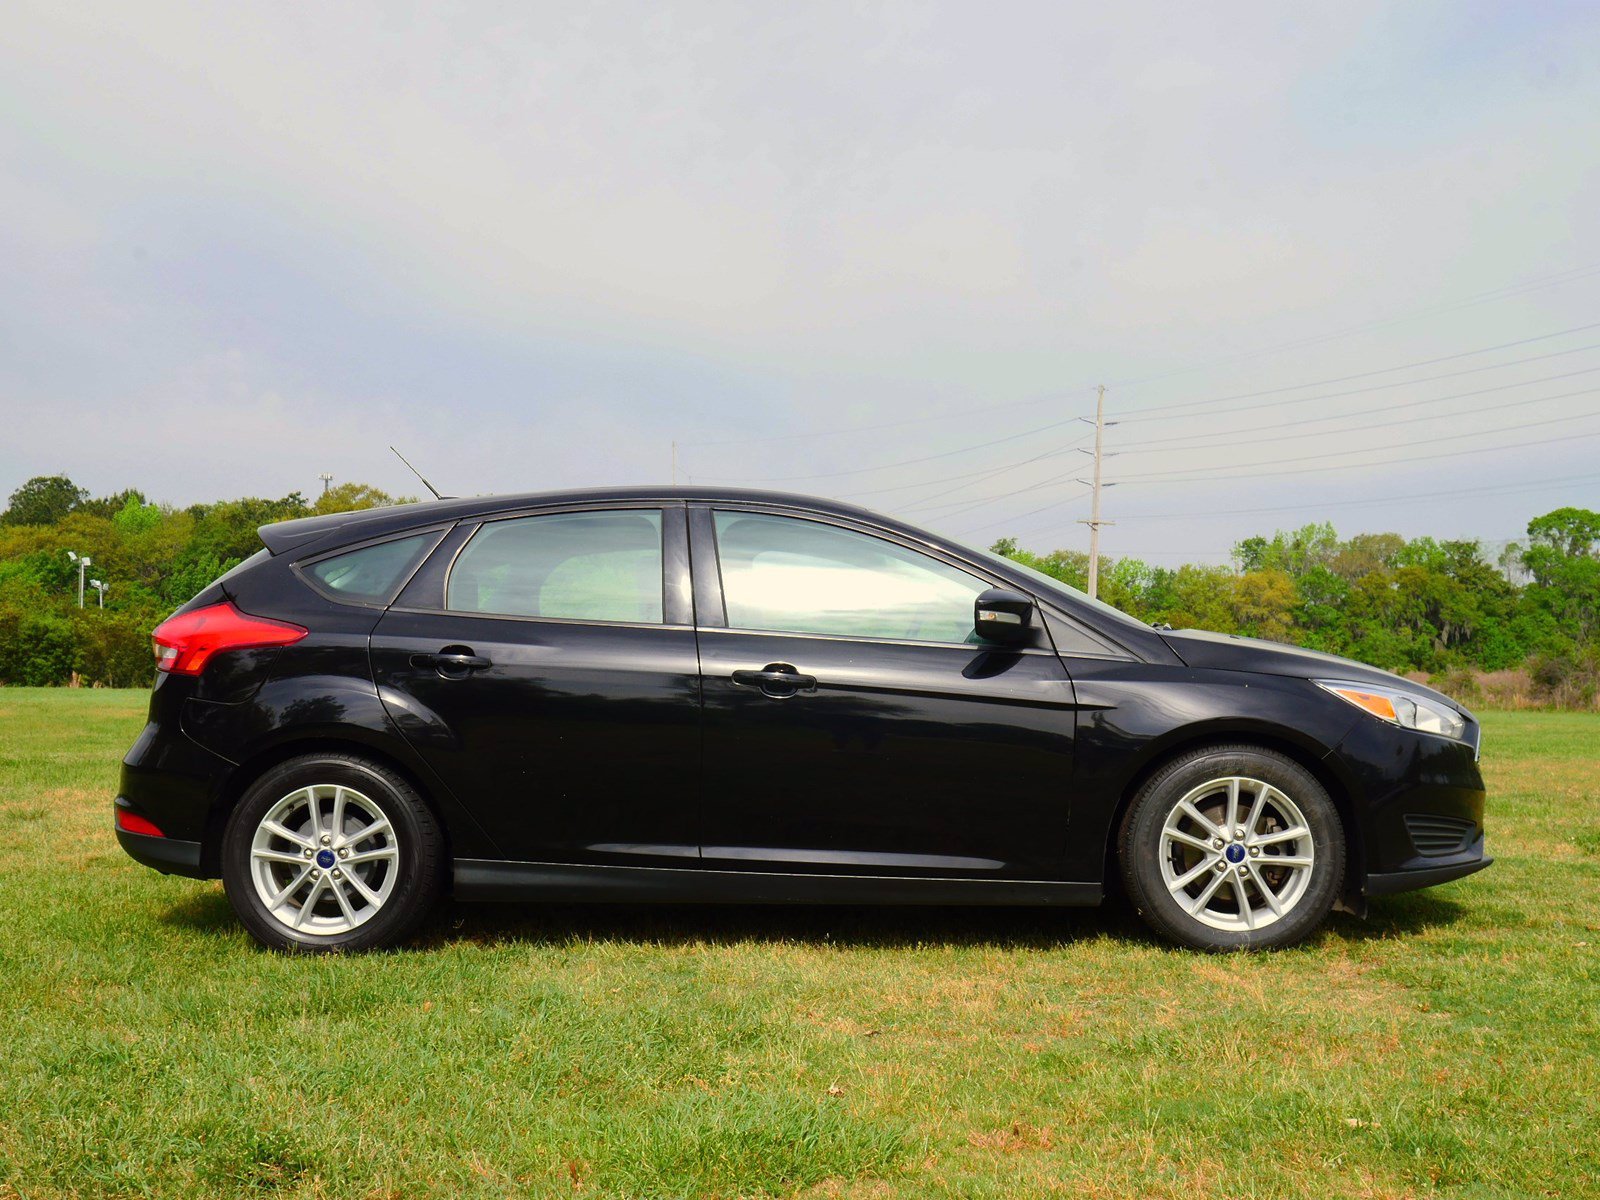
332 529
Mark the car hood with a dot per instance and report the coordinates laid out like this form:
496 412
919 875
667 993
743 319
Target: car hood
1229 652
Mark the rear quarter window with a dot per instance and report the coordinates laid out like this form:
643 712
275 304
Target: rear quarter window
372 574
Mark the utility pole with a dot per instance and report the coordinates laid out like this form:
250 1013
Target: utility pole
327 482
1094 522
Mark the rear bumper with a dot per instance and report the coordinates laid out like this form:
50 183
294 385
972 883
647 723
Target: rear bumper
170 856
172 781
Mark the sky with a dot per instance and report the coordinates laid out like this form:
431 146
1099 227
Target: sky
1330 261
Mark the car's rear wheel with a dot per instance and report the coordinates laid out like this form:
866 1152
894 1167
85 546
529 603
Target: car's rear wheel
331 852
1233 847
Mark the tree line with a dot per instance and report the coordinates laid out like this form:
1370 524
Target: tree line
1418 605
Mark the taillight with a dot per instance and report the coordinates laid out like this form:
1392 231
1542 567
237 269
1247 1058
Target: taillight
133 823
186 642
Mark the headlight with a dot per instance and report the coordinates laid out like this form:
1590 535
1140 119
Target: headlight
1402 708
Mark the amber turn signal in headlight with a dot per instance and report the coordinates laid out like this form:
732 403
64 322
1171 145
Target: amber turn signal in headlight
1406 709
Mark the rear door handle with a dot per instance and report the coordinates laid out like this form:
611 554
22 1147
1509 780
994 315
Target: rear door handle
452 661
777 680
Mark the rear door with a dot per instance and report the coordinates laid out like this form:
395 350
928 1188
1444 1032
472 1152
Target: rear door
852 723
544 664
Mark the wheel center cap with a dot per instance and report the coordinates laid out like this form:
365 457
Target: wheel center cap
1234 853
325 859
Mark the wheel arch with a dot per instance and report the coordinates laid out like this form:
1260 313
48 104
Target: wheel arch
263 760
1318 764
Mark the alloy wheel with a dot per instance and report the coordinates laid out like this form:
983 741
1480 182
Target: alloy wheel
324 860
1237 853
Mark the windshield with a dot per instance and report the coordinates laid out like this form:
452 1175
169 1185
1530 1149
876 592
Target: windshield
1049 583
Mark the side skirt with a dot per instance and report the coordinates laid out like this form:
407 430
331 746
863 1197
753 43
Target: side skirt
492 879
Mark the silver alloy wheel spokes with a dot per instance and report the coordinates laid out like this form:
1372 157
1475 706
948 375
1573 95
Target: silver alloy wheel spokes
324 860
1236 854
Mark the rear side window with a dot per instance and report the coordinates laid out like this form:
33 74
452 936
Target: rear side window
588 566
372 574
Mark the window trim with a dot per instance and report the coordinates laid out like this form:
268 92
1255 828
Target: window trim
708 566
674 563
301 567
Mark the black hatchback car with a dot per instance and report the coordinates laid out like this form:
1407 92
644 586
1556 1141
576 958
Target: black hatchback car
718 695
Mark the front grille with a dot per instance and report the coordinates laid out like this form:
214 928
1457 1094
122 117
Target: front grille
1436 836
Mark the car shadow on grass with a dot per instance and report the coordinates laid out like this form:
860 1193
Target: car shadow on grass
886 927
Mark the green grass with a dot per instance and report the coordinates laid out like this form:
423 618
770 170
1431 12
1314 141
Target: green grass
1448 1045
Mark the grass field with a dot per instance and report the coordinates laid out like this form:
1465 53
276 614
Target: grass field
1448 1045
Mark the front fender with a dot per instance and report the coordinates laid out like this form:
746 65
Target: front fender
1131 715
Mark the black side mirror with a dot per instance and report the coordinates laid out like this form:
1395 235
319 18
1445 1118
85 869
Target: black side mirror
1002 616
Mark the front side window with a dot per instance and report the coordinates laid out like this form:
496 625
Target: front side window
587 566
798 576
372 574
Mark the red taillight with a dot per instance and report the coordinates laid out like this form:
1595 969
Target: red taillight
133 823
186 642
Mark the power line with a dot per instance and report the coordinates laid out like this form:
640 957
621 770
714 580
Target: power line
1011 493
1147 414
929 418
906 463
1178 471
1032 512
1408 459
986 473
1505 292
1472 491
1169 444
1571 275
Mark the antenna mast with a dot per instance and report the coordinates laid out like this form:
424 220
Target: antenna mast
418 474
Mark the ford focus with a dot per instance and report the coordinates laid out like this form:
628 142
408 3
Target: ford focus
730 696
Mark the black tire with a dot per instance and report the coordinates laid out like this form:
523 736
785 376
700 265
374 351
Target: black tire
418 855
1139 852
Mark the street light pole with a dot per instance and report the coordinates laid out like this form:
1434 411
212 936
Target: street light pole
100 586
83 565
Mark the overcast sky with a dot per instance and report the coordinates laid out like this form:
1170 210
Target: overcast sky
533 245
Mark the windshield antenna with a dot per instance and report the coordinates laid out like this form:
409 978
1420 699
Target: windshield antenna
419 475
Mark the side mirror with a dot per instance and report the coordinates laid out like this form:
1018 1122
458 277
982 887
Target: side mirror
1002 616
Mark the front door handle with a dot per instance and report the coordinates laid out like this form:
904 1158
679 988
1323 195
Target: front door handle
453 662
777 680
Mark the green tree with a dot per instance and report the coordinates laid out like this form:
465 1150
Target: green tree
1264 604
43 500
348 497
1565 570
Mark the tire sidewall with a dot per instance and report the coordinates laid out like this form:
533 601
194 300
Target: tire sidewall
1141 850
416 871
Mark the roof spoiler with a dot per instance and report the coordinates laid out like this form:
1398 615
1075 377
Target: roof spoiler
289 535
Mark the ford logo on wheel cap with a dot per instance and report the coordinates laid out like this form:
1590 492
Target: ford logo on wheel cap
325 859
1234 853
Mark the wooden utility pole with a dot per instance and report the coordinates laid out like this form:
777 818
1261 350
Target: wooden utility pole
1094 522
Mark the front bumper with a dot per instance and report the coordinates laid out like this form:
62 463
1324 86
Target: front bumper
1419 802
1387 883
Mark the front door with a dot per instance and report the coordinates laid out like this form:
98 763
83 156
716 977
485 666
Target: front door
853 723
545 667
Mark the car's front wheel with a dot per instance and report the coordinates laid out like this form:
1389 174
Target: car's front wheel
331 852
1233 847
